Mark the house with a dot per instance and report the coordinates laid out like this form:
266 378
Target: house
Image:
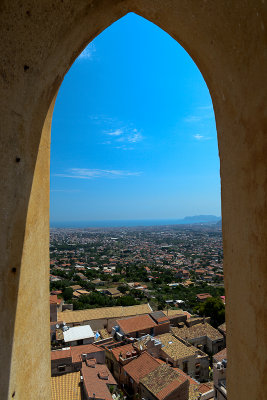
80 292
164 383
97 381
176 316
117 357
61 362
70 359
113 292
99 318
221 355
152 324
55 307
182 355
76 287
201 297
137 369
78 335
201 334
219 380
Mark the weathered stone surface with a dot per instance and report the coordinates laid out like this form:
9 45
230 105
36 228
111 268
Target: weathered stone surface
39 42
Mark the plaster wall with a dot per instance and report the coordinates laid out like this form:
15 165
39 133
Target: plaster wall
39 42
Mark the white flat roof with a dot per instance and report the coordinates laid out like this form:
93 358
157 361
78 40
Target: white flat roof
78 333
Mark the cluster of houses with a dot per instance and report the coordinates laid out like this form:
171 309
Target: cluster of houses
135 352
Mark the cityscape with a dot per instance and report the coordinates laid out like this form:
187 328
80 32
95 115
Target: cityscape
138 312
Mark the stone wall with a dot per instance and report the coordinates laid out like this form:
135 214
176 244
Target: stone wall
39 42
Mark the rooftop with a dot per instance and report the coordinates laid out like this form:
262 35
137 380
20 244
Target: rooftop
141 366
163 381
96 380
105 312
77 351
66 387
196 331
202 296
78 333
222 327
122 350
137 323
221 355
60 354
174 348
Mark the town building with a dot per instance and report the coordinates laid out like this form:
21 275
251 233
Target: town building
78 335
164 383
99 318
142 325
70 359
183 355
219 379
201 334
137 369
97 381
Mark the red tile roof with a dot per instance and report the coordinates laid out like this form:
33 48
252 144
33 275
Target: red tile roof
202 296
59 354
137 323
122 350
54 299
94 385
141 366
77 351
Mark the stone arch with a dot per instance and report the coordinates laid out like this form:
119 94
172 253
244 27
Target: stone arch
40 40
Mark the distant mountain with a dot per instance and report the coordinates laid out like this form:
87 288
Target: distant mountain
201 219
219 223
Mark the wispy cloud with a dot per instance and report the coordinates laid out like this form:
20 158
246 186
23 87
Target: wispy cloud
199 137
201 114
126 135
117 132
120 134
84 173
87 53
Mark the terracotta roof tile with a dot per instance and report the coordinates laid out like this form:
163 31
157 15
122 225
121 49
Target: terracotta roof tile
104 312
137 323
198 330
66 387
141 366
59 354
122 350
163 381
94 385
174 348
77 351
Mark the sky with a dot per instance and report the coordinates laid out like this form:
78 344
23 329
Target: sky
133 131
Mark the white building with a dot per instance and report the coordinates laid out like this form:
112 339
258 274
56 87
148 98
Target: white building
78 335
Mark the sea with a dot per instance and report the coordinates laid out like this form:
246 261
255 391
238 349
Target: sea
137 222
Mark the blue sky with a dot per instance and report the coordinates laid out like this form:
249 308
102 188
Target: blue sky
133 131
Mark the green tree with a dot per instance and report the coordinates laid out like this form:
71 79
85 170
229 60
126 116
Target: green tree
67 293
122 288
213 308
